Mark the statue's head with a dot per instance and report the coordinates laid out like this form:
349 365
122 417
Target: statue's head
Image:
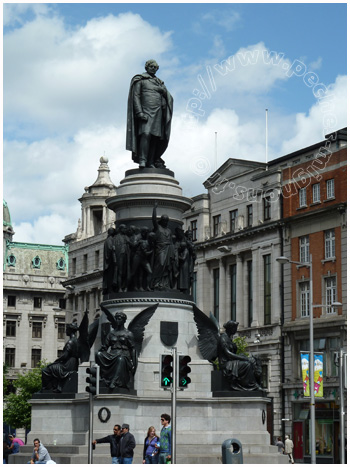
71 328
164 220
111 232
122 229
144 232
151 66
120 318
231 327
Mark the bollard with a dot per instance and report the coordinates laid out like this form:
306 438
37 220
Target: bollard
232 452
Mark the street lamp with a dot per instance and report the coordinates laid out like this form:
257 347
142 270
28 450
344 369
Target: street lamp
284 260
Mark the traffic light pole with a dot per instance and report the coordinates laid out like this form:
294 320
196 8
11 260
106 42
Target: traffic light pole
91 426
173 406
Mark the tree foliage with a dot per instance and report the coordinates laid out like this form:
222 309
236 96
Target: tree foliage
241 343
17 409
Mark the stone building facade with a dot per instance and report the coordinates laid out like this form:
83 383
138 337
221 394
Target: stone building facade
238 238
33 301
84 284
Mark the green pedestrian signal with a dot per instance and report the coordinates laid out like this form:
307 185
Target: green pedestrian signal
184 370
166 370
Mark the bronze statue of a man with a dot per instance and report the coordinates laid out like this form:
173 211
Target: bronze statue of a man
150 109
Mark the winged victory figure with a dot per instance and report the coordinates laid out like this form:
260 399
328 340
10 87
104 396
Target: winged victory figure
75 351
242 373
119 353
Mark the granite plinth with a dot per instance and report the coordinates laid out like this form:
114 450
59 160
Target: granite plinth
221 387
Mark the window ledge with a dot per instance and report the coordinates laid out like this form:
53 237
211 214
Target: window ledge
329 199
333 260
315 203
300 208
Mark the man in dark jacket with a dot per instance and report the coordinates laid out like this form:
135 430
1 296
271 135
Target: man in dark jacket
114 441
127 445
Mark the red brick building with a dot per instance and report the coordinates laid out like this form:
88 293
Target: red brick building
314 224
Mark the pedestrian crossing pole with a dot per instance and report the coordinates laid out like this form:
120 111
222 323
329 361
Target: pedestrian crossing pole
173 405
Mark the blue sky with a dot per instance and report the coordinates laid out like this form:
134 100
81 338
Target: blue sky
67 69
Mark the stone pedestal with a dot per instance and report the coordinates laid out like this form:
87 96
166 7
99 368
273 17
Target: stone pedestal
138 192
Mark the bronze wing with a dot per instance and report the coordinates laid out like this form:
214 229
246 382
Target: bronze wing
109 315
138 323
208 334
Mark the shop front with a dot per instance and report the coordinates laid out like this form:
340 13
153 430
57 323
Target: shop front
326 432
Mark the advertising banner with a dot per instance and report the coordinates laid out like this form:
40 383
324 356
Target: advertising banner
318 374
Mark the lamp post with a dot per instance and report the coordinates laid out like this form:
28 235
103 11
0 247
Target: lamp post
284 260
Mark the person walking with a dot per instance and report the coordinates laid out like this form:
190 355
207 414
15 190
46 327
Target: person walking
127 445
280 445
165 439
40 453
114 441
151 447
288 449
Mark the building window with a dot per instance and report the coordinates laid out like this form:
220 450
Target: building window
37 330
62 303
302 197
97 259
11 301
233 220
316 196
10 355
250 292
264 376
38 302
249 215
329 239
194 287
331 293
233 278
11 328
217 224
61 331
304 249
216 275
330 188
304 299
36 262
267 208
194 230
85 263
61 264
74 266
36 357
11 260
267 289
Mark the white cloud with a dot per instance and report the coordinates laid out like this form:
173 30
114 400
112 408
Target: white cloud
62 79
16 13
324 117
227 19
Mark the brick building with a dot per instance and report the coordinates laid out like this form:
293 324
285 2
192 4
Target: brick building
314 223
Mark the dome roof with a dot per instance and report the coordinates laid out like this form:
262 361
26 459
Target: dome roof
6 216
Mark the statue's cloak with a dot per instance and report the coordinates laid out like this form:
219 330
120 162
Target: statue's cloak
132 124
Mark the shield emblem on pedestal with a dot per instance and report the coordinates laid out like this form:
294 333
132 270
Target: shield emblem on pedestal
169 331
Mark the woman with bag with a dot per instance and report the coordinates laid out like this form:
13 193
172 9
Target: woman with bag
151 447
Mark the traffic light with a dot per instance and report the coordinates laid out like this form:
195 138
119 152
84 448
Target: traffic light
93 379
166 370
184 368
